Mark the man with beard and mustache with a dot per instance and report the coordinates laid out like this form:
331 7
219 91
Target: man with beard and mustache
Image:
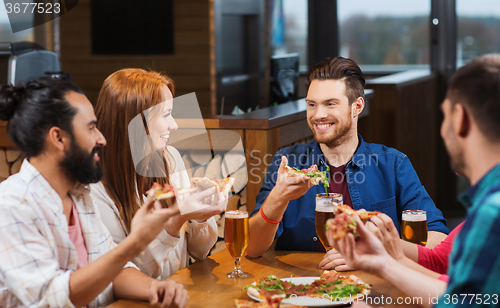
369 176
55 250
470 130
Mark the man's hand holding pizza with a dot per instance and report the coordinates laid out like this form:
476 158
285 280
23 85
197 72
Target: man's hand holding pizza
263 226
290 185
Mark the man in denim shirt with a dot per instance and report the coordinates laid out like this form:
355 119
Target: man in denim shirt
470 131
370 176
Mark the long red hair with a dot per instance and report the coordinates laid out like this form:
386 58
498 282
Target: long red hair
125 94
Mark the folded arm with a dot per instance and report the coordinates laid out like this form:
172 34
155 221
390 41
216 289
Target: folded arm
132 284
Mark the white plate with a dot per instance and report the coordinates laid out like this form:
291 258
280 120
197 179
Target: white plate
306 300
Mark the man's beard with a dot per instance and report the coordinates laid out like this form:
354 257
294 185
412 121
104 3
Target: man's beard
456 154
336 137
80 165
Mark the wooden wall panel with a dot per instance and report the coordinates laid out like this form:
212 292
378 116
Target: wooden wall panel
260 146
189 66
404 115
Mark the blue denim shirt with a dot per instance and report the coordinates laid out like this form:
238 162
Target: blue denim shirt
379 179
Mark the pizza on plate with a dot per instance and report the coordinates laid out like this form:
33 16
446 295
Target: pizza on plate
268 303
339 288
330 285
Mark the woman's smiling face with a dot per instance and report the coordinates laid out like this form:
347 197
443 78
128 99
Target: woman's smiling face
162 122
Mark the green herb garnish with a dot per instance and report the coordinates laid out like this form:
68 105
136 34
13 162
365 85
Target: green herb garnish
318 174
327 182
277 285
341 292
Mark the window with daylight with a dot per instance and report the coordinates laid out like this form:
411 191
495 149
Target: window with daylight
289 29
385 32
478 28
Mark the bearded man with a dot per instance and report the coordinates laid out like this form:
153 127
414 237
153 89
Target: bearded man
369 176
54 247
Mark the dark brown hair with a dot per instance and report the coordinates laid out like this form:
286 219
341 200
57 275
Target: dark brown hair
33 109
125 94
476 85
340 68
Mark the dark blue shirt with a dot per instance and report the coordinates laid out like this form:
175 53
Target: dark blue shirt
379 179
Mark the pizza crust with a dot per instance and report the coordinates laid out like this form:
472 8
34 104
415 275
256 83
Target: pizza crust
256 293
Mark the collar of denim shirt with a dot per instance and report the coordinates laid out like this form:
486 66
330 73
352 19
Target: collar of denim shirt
358 159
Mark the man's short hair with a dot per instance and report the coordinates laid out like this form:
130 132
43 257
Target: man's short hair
32 110
340 68
476 86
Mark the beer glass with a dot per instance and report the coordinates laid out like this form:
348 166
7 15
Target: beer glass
236 238
414 227
326 208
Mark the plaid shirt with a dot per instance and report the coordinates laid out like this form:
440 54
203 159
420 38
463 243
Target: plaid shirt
36 253
475 261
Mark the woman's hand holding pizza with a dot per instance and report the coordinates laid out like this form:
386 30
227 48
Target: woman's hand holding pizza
383 227
366 253
192 207
205 211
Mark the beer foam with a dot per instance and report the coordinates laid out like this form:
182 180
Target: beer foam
236 214
414 216
326 209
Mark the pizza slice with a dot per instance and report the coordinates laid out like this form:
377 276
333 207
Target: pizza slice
363 214
313 174
344 221
269 287
335 287
167 191
270 303
276 288
340 225
221 185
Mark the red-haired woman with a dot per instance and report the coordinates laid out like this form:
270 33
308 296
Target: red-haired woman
126 94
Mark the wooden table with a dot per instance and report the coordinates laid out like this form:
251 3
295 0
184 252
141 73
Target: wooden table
208 285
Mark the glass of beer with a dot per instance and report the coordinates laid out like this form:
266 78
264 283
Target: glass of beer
414 227
236 238
326 208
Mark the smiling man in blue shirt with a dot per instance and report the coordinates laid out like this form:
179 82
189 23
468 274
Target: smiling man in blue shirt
370 176
470 130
